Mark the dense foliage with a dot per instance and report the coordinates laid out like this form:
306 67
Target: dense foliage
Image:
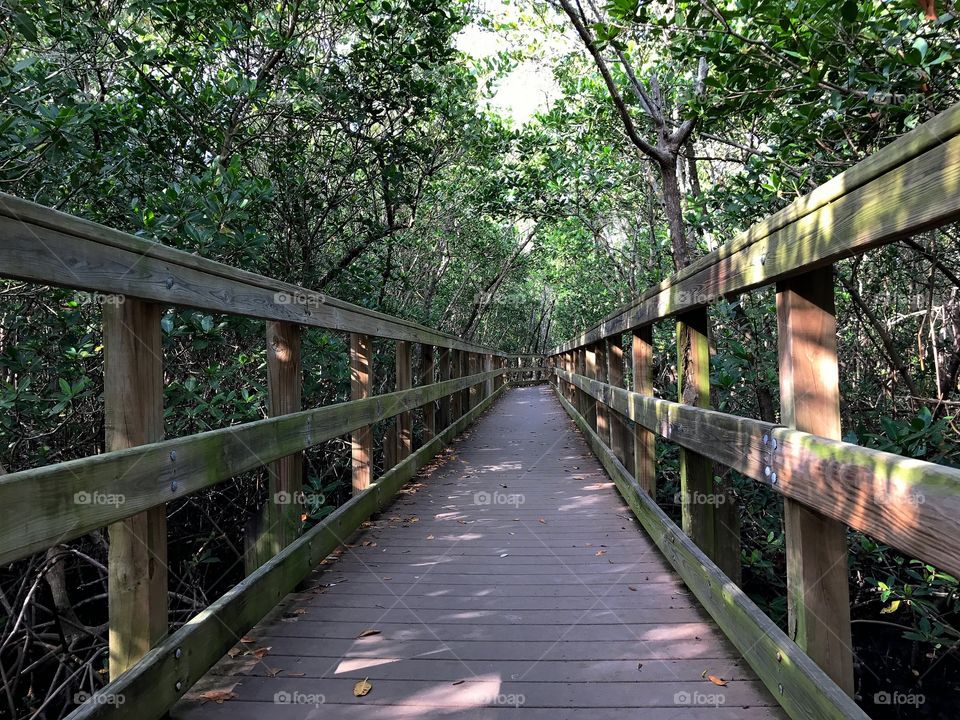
348 147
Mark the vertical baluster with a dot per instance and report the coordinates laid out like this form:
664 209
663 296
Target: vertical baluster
361 382
614 355
443 410
644 441
426 378
133 409
404 382
817 583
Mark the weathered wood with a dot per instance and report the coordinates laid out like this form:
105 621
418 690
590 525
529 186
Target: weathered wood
32 502
903 189
614 355
473 394
152 686
278 523
818 598
133 415
697 498
404 382
644 441
908 504
444 416
590 370
51 247
361 387
603 422
426 378
797 683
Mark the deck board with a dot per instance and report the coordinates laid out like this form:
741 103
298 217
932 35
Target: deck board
539 602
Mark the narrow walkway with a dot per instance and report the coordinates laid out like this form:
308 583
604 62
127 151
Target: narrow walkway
509 581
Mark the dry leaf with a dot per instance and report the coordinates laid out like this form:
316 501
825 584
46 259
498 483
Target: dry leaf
600 553
217 696
296 674
459 682
273 672
362 688
631 587
368 632
234 652
716 681
260 652
246 639
429 537
542 521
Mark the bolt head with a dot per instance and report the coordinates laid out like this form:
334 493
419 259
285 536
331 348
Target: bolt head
773 478
766 439
179 685
178 653
173 454
766 471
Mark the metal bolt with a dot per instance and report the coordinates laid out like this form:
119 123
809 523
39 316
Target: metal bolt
173 486
766 439
779 657
774 441
179 685
178 653
780 688
766 471
763 259
173 455
773 478
169 283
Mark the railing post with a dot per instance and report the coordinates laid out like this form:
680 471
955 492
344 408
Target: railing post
443 411
277 524
590 370
614 356
818 598
473 396
708 514
426 378
133 415
600 374
644 441
361 382
581 369
404 382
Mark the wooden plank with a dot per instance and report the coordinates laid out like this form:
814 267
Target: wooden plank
618 430
133 415
427 370
908 504
404 382
818 597
603 423
644 440
50 247
152 686
906 188
795 681
697 504
38 507
278 522
444 416
361 387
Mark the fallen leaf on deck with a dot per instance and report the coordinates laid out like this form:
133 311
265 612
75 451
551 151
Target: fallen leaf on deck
217 696
273 672
429 537
459 682
368 632
246 639
542 521
631 587
362 688
260 652
716 681
296 674
600 553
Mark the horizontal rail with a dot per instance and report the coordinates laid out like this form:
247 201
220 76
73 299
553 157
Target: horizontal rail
794 680
46 246
53 504
909 504
169 670
909 186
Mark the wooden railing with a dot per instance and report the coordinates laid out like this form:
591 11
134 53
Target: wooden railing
827 485
127 487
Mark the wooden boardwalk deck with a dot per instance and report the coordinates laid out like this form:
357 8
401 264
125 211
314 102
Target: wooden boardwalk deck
509 581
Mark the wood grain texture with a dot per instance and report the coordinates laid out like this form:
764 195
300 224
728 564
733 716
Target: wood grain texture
155 683
818 598
361 387
463 653
50 247
427 372
404 370
909 504
618 430
794 680
133 415
644 440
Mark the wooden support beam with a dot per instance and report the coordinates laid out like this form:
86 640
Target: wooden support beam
133 415
473 395
590 370
644 440
817 584
404 382
361 384
603 417
427 370
614 354
443 407
278 523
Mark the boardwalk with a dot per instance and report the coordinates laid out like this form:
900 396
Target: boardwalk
509 582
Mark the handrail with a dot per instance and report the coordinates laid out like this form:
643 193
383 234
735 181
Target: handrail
910 185
47 246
